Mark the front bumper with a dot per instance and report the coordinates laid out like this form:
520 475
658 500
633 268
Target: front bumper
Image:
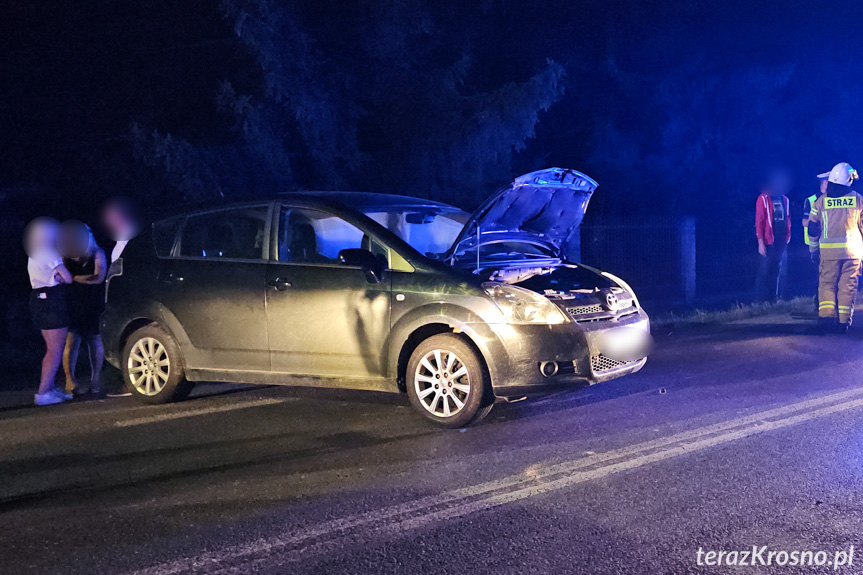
516 353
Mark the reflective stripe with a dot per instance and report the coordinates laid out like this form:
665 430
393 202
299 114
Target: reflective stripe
813 211
811 199
829 245
844 308
825 304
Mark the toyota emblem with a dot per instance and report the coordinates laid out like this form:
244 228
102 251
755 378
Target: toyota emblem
611 301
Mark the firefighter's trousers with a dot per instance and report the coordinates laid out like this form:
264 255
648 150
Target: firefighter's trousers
837 288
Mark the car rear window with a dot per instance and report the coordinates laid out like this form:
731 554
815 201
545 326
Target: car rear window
164 236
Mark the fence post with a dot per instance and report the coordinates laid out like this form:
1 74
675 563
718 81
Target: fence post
687 259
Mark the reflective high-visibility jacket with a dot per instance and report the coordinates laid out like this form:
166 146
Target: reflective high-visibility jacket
807 209
841 226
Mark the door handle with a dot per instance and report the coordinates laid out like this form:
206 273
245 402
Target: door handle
281 284
172 279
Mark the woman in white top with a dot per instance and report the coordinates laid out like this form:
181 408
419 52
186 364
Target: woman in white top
48 277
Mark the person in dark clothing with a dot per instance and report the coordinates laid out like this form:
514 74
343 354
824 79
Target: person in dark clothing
773 230
87 263
120 220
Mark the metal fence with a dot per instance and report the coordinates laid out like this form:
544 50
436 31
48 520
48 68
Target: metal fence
674 262
650 253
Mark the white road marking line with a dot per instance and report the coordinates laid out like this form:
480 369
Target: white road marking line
472 499
194 412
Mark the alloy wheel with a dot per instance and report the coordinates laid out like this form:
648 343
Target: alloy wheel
442 383
149 366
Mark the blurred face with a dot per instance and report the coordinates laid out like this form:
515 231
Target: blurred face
824 186
73 239
117 219
113 219
780 183
40 234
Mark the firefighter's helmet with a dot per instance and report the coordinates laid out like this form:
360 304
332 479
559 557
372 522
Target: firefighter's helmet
842 174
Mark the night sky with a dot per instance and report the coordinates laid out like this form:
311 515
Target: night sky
672 106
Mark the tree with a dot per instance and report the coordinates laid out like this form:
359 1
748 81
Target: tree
378 99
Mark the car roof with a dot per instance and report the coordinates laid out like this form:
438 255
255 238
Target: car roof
365 200
361 201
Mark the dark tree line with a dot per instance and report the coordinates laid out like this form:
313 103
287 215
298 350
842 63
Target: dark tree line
376 100
674 107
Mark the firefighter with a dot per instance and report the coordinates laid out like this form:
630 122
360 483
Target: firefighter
814 252
835 223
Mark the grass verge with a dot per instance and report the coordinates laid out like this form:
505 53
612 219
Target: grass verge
738 311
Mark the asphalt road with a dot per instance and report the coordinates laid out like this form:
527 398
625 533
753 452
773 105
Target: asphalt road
750 434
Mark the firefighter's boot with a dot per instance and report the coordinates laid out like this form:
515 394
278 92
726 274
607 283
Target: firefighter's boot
825 325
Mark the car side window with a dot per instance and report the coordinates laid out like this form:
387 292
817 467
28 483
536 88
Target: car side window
313 236
164 234
235 234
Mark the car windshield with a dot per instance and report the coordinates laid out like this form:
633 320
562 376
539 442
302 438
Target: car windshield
429 230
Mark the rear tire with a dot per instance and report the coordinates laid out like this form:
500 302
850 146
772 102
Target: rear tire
447 382
153 368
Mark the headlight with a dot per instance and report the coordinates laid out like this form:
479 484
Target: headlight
624 285
523 306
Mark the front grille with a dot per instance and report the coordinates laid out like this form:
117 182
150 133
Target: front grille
601 363
598 312
584 309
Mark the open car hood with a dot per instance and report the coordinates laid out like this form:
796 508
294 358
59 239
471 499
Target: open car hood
547 205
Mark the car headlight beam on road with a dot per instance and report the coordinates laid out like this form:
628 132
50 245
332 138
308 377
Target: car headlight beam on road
521 306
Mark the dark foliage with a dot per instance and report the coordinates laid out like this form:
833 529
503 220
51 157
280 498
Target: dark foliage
374 100
672 106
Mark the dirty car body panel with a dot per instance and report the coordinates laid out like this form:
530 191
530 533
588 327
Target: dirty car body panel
275 300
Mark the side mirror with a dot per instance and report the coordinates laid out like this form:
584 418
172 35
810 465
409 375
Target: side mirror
366 260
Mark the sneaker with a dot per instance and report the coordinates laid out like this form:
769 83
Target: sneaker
61 394
49 398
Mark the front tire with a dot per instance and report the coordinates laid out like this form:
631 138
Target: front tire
153 367
447 382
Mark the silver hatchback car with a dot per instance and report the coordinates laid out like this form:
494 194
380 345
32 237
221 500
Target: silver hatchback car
379 292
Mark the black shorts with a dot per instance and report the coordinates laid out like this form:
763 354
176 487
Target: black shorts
48 307
85 304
